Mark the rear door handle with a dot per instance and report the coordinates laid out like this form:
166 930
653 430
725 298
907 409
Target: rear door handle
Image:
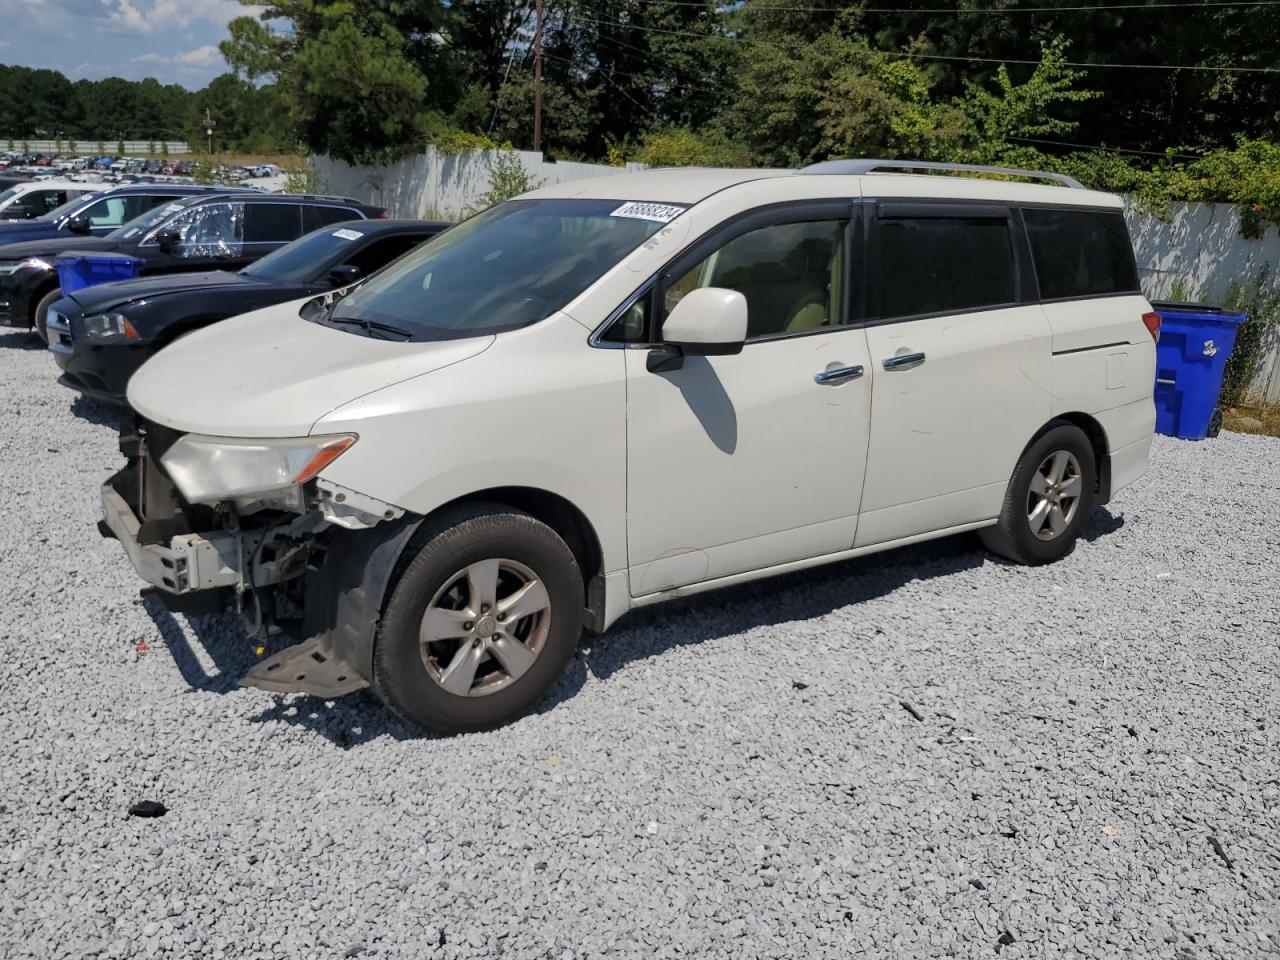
904 361
837 376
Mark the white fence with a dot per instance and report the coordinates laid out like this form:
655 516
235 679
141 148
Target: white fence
90 147
1199 250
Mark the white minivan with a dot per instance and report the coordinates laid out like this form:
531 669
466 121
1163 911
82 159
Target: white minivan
610 392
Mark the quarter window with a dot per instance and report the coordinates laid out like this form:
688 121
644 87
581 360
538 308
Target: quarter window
790 273
944 265
1079 253
272 222
330 215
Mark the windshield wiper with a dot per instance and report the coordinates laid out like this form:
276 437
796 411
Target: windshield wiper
370 326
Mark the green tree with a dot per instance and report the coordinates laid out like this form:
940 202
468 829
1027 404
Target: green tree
344 71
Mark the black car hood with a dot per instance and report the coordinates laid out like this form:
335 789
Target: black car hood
54 246
105 296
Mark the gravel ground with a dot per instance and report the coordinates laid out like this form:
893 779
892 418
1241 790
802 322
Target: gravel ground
923 754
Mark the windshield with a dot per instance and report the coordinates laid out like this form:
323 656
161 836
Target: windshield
8 195
138 226
66 209
512 265
305 257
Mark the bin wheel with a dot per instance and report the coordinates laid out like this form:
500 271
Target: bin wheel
1215 423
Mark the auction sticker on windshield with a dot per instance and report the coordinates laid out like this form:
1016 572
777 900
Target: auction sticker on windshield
659 212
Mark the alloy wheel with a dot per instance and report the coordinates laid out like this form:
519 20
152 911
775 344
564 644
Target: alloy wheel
485 627
1055 494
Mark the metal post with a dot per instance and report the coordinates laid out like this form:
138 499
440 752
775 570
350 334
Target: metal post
537 79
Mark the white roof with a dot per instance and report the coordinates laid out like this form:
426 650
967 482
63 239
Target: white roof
689 185
50 184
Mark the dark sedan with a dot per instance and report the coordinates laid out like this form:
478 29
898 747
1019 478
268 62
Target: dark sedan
100 335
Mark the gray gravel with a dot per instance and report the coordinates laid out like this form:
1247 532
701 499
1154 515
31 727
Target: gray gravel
922 754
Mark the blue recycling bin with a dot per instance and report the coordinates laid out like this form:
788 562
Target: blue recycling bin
79 270
1191 356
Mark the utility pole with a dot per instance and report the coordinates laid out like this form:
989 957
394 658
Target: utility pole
208 129
537 79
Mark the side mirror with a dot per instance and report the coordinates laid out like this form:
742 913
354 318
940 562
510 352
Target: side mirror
708 322
343 274
79 224
168 240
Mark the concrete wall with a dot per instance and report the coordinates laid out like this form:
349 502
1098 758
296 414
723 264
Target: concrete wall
1200 248
434 185
81 148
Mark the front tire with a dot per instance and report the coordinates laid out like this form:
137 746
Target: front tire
481 622
1052 490
41 316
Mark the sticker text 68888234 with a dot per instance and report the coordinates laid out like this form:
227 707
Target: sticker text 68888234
659 212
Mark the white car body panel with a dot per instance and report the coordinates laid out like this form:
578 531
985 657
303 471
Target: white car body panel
741 462
950 431
270 373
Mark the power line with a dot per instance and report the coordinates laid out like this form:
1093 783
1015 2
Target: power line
943 57
1090 146
997 11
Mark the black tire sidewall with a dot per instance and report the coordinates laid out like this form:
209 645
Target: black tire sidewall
1031 548
400 676
42 312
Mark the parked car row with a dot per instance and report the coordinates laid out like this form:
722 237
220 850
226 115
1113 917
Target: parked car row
598 396
68 164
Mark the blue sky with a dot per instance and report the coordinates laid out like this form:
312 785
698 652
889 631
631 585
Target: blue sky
175 41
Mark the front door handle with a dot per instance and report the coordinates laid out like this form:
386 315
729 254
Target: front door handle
837 376
904 361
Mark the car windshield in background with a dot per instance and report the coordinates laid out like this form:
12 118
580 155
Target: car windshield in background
136 228
513 265
9 194
303 258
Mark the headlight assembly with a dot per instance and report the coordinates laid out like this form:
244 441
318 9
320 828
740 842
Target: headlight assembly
13 266
102 326
208 469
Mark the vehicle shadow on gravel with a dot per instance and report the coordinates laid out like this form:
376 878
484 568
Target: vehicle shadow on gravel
798 596
21 340
97 412
359 718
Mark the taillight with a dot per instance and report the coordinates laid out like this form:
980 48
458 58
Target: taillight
1152 322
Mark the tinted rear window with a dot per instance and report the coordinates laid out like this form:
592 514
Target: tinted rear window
1081 254
944 265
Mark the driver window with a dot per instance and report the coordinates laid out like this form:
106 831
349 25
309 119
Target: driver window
790 273
210 230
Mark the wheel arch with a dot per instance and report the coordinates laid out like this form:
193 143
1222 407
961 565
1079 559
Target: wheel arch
1097 436
38 292
567 520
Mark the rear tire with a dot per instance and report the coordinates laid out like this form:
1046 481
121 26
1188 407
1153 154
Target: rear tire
1053 489
41 316
481 621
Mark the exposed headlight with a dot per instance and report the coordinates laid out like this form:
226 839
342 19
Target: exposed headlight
102 326
13 266
208 469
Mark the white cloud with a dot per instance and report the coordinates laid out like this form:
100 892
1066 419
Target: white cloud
200 58
160 16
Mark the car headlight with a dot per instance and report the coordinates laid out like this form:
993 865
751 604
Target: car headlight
208 469
13 266
102 326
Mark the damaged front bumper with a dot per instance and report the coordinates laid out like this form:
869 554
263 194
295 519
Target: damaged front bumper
317 575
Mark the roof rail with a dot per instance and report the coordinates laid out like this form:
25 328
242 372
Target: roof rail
859 167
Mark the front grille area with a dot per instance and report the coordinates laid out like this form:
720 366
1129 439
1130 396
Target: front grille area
59 332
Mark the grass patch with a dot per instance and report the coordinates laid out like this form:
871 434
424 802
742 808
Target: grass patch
1248 418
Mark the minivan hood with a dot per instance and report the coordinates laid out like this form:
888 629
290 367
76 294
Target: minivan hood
62 243
107 296
270 373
